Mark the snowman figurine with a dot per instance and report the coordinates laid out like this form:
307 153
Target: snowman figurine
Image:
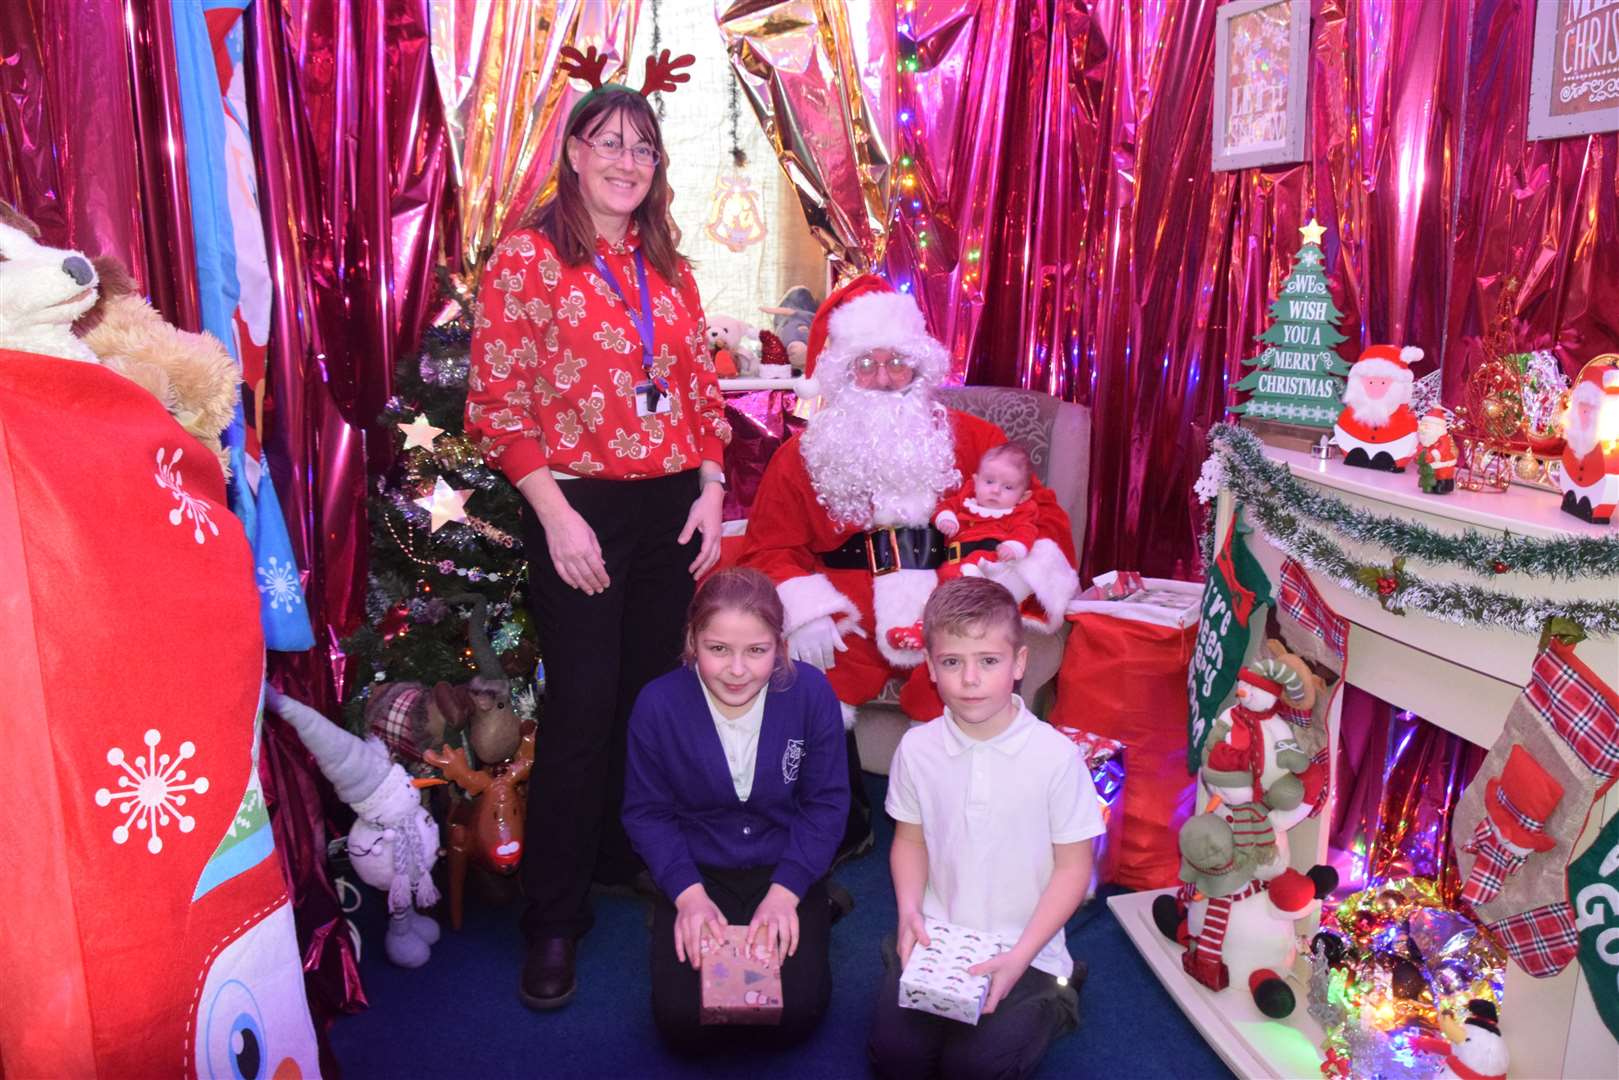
1473 1048
1254 767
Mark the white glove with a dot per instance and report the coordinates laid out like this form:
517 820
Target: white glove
816 642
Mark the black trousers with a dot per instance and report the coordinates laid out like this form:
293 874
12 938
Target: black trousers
806 976
599 651
1008 1043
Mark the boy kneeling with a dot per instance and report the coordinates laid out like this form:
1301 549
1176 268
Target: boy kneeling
994 814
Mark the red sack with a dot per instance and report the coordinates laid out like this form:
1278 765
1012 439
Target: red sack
147 929
1123 676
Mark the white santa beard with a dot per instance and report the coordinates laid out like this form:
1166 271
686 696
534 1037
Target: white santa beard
881 457
1581 438
1374 411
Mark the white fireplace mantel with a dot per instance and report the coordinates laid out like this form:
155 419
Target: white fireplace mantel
1462 678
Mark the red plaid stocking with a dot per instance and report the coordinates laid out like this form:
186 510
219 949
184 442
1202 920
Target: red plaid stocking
1567 720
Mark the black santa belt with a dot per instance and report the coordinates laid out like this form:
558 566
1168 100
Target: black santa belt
882 551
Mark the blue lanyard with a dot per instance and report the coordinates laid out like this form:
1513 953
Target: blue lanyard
643 323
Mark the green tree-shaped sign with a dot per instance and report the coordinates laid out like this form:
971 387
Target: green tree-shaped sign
1299 378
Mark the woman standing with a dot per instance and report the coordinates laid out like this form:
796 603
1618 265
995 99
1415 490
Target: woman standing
591 389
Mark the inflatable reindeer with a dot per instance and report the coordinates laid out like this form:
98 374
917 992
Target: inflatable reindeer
486 827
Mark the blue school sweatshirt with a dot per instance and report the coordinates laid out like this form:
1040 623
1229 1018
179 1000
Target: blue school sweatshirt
681 809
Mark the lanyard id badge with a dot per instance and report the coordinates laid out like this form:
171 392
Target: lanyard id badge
651 393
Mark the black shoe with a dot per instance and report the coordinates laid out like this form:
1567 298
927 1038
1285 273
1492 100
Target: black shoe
1082 971
548 980
839 899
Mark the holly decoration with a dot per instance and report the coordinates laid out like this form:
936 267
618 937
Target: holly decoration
1563 629
1388 581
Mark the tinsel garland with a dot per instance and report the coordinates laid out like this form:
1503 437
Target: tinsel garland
1258 481
1464 605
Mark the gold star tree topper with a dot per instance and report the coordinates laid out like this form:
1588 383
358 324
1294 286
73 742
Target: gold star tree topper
420 433
1313 232
445 504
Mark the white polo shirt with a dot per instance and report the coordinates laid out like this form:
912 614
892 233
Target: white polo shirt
990 812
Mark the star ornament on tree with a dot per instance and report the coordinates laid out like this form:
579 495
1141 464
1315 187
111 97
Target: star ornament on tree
420 433
445 504
1313 232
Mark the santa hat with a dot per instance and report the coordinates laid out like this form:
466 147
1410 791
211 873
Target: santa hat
1386 361
865 314
1275 678
1292 894
1521 799
1595 382
1436 413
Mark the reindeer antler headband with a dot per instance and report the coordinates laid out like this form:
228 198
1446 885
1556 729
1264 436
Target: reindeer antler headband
662 74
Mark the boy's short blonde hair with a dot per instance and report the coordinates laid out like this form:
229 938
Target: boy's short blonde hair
971 606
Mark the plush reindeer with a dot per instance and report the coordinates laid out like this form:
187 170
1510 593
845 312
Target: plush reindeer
487 826
411 717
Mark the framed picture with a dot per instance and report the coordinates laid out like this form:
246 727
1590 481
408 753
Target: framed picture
1574 86
1261 82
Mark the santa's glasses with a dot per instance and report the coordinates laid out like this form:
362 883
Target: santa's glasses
894 365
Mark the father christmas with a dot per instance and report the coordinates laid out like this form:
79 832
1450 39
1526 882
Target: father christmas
842 519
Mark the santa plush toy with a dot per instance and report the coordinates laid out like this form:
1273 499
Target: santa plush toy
842 521
1377 429
1590 478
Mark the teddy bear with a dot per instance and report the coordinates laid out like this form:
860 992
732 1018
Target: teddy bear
42 291
733 345
58 302
191 374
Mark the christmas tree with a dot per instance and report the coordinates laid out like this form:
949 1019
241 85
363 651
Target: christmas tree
1299 379
444 528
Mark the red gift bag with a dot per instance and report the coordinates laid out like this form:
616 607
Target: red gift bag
1123 676
147 930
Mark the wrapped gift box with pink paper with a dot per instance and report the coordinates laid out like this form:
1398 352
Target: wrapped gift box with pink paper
740 985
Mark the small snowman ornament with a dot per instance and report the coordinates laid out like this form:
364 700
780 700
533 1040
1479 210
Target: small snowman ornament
1474 1048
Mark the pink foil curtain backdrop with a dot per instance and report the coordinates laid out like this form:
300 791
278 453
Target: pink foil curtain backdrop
1077 241
91 142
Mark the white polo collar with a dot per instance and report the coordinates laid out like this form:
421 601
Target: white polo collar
1008 742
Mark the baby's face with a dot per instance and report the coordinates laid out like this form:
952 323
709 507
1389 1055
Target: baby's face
999 483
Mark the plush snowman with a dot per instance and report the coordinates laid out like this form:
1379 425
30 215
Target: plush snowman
394 841
1253 766
1473 1049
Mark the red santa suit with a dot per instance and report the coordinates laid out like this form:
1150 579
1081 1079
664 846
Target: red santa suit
789 531
1395 437
975 524
1441 457
867 579
1590 480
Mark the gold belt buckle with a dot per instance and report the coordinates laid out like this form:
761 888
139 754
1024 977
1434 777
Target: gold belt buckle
871 553
952 551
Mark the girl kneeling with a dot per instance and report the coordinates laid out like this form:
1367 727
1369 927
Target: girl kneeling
736 794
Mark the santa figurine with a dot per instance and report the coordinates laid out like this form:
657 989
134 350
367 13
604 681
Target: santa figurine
1377 429
843 518
1590 477
1436 463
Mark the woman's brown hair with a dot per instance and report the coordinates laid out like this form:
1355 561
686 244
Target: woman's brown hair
564 219
747 591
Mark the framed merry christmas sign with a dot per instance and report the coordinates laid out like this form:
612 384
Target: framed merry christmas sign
1574 86
1261 82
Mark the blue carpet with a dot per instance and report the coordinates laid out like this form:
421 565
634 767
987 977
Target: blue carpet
460 1014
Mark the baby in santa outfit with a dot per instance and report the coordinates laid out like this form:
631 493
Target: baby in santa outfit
996 521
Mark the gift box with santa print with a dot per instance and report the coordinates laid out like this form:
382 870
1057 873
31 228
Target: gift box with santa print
741 985
936 978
